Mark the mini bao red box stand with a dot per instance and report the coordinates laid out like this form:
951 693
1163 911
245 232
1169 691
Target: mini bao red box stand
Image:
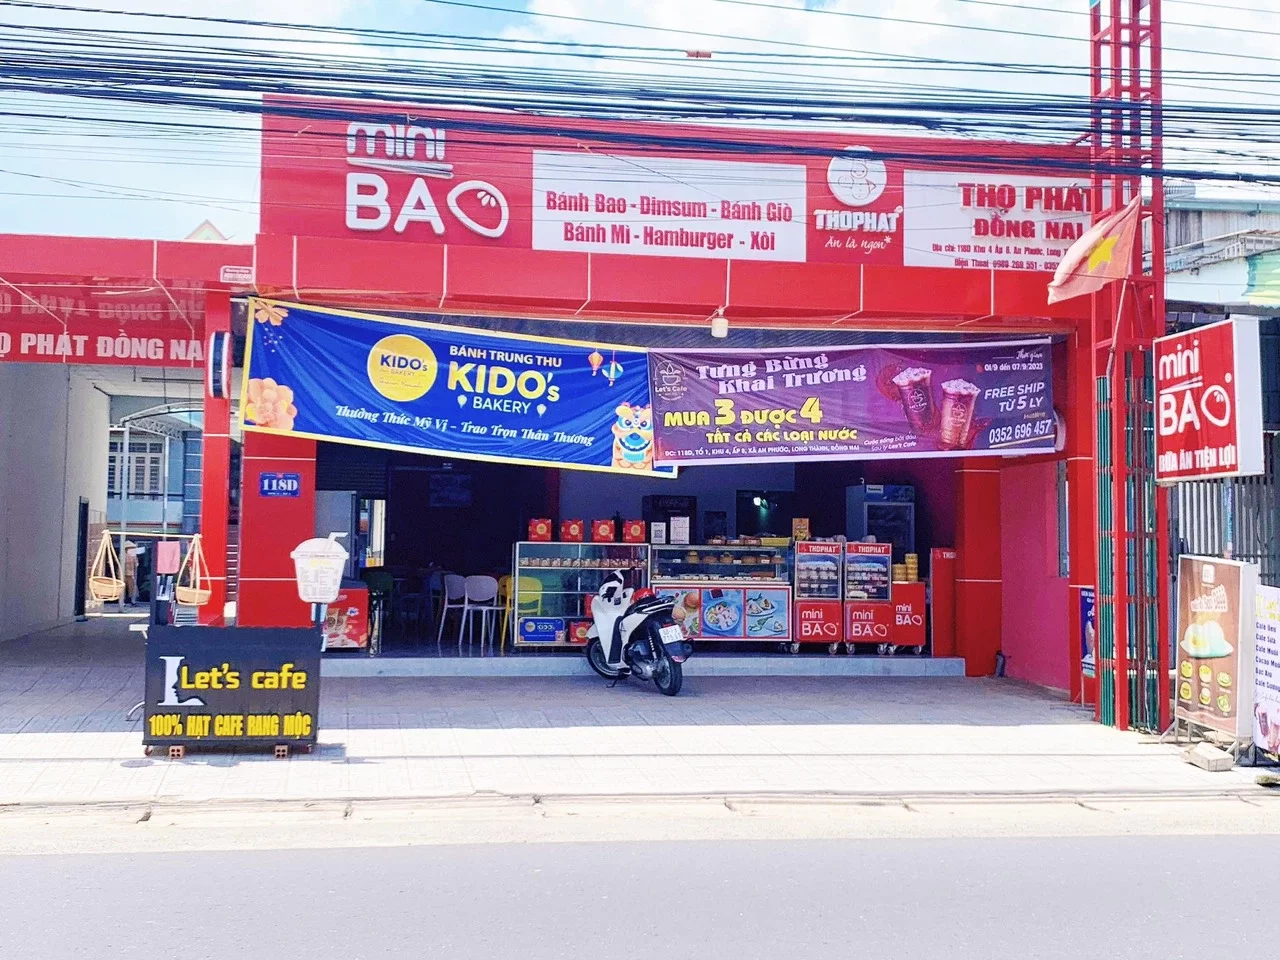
633 531
540 529
603 531
571 531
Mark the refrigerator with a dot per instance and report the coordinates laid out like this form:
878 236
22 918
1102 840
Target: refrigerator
885 511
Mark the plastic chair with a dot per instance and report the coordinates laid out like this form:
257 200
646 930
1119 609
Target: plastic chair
453 590
381 587
528 604
508 608
411 601
481 596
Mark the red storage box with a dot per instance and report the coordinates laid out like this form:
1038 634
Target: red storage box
603 531
633 531
578 631
540 529
572 531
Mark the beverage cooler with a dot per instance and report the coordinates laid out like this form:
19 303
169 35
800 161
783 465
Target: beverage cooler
819 594
885 512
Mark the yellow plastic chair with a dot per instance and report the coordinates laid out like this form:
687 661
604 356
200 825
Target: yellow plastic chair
504 598
528 604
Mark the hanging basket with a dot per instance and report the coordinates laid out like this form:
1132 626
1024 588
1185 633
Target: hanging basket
105 585
191 589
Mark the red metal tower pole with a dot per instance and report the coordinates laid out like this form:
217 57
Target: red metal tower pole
1127 148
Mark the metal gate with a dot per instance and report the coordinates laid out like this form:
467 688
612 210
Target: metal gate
1237 518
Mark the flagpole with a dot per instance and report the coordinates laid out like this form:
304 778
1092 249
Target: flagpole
1115 329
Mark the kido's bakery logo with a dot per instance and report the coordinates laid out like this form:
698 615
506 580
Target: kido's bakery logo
402 368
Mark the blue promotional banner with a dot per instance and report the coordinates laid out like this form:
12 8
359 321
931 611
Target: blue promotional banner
336 375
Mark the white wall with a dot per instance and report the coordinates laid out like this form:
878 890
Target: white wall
53 451
585 495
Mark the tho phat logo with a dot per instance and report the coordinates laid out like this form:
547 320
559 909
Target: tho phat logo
477 205
401 367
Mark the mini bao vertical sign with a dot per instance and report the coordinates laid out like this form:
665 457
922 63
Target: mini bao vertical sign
1209 402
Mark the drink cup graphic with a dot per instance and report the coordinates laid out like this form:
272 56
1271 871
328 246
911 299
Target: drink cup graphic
914 391
959 397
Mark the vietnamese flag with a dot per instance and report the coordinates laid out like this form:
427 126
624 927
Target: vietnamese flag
1101 255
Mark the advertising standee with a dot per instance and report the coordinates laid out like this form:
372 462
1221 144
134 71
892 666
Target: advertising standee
231 687
1266 671
1215 639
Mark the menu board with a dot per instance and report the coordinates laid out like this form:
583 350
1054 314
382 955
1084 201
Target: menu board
867 571
1212 644
1266 671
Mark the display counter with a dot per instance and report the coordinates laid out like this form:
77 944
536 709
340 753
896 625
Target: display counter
552 582
727 591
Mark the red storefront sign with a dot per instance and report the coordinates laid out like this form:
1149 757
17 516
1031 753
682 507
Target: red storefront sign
143 327
361 171
1209 402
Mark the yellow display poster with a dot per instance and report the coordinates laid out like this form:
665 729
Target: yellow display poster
1215 645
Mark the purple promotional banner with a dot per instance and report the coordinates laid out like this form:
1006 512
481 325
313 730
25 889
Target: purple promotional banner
870 402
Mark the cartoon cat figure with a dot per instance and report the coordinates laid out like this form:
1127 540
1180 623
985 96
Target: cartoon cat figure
633 438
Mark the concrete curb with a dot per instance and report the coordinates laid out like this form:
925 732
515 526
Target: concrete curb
498 801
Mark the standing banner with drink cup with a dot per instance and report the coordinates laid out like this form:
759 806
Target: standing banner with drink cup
869 402
1215 648
1266 671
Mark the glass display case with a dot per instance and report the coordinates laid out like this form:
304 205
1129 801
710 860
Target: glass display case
552 581
819 570
725 562
727 591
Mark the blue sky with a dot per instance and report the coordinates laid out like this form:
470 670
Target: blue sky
90 178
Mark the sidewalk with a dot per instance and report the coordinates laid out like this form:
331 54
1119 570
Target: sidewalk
64 740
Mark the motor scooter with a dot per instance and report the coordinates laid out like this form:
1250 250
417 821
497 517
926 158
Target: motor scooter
634 634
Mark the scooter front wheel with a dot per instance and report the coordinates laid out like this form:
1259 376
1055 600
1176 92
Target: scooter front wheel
599 663
668 676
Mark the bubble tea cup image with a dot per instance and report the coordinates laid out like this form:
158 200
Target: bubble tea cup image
914 390
959 398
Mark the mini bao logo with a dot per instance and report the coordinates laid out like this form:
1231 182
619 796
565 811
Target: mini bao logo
856 180
401 367
369 204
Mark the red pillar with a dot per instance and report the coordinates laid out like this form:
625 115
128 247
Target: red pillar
978 573
215 469
1082 486
270 527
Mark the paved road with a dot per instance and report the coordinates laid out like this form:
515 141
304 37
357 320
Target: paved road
958 899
